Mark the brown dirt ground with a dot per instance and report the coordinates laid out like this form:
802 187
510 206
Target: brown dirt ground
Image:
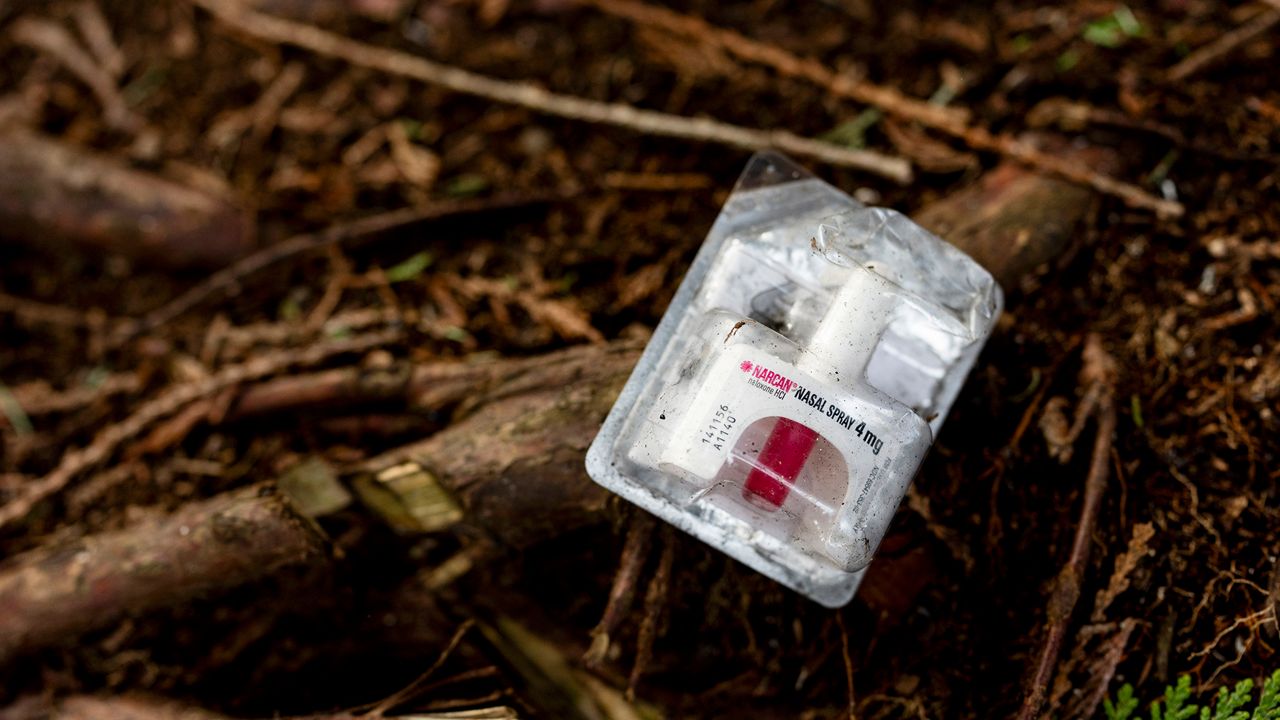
1188 307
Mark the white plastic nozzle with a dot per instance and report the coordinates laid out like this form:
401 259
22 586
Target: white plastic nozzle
849 332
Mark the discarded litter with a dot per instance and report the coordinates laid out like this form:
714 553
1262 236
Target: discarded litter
797 380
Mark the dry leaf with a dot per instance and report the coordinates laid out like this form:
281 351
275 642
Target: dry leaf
1125 565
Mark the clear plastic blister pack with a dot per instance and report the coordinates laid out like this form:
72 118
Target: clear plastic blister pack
797 380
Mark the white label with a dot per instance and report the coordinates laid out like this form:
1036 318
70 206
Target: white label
745 385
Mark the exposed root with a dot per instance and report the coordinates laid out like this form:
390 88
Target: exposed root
1098 375
654 599
621 593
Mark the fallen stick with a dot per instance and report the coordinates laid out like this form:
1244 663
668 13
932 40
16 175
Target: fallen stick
56 41
229 278
423 387
1205 56
54 195
784 63
106 442
1098 377
90 707
938 119
33 312
512 465
52 594
278 30
1013 221
635 550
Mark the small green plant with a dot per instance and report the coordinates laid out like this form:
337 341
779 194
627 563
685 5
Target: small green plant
1124 705
409 268
1115 29
1177 703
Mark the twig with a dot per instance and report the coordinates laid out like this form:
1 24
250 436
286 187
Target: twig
655 597
1130 194
266 111
936 118
1028 219
783 62
350 386
55 593
54 40
275 29
1205 56
37 398
97 34
172 400
229 278
224 342
1086 705
848 664
621 593
1098 374
34 312
403 694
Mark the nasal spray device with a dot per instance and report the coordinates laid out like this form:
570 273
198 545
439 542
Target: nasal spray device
797 379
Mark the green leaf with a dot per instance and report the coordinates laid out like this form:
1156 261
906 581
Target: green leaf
14 413
409 268
1113 30
1269 702
290 309
1175 706
1229 703
412 128
1124 705
466 185
456 334
853 133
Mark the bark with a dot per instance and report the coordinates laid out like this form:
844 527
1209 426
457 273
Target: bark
54 195
1013 220
89 707
513 463
54 593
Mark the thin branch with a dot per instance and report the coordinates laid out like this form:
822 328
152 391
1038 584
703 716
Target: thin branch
75 462
229 278
634 551
33 312
56 41
1207 55
942 120
655 599
1098 374
848 664
784 63
321 42
97 35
